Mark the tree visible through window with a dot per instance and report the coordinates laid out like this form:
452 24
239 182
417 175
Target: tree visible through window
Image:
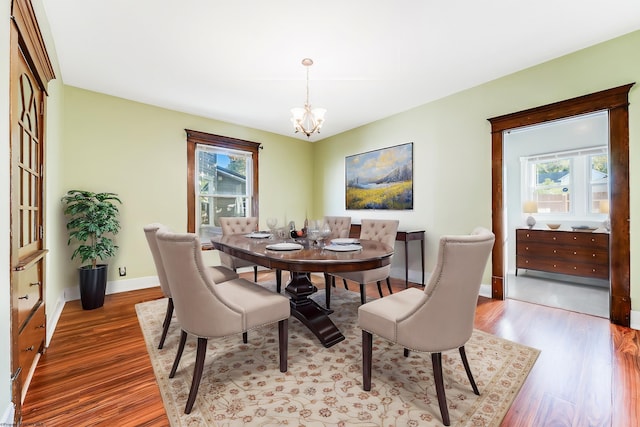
568 183
222 181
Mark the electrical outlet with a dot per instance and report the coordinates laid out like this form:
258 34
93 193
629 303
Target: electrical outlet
122 271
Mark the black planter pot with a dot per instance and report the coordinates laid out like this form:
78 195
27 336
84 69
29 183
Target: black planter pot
93 285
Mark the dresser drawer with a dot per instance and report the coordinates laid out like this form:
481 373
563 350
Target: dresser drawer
31 340
29 291
598 271
565 238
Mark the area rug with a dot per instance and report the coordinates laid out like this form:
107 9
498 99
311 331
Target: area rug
242 384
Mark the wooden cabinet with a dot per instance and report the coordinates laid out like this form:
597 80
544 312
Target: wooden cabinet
566 252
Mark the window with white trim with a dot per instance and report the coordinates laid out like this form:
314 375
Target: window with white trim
569 183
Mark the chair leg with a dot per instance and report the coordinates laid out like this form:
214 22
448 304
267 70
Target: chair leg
389 286
436 360
363 296
465 362
255 273
245 337
283 341
166 323
367 342
333 281
327 290
183 339
379 289
278 281
197 373
344 282
406 352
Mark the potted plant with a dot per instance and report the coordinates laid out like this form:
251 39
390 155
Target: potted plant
92 222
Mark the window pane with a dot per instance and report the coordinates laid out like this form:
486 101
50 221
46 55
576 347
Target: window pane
599 181
223 187
553 186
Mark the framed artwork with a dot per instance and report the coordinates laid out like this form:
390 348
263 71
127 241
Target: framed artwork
380 179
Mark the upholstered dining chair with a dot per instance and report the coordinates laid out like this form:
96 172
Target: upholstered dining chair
436 319
211 310
218 274
238 225
381 230
339 225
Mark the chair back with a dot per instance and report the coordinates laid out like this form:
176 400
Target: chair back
236 225
443 319
339 225
150 231
382 230
198 306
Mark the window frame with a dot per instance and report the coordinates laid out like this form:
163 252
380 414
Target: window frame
195 138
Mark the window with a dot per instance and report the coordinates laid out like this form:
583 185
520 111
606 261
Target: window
572 183
222 180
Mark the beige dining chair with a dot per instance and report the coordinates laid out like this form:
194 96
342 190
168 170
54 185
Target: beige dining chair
218 274
381 230
339 225
207 309
436 319
238 225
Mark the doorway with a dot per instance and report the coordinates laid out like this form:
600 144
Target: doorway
562 168
616 102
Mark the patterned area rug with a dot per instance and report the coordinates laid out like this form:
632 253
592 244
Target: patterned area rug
242 384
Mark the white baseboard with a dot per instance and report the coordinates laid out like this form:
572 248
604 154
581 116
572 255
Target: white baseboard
126 285
7 416
635 320
485 290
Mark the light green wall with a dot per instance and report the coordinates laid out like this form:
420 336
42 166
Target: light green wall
139 152
452 144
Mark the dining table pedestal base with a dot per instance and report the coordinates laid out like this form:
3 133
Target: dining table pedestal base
310 313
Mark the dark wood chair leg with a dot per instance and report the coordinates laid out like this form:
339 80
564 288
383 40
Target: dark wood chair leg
344 282
255 273
278 280
363 296
367 342
389 286
406 352
283 341
436 360
379 289
327 290
245 337
183 339
197 374
166 323
465 362
333 281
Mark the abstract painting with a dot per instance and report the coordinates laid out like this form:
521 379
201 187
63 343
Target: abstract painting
380 179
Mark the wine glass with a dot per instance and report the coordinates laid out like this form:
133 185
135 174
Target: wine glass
272 223
325 231
313 231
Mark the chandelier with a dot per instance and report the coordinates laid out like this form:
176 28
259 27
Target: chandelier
305 119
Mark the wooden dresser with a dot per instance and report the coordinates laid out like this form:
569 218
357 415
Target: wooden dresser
566 252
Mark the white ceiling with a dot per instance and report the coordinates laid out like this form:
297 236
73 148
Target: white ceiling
240 61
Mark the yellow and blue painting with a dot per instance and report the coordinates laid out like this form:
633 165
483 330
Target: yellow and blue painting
380 179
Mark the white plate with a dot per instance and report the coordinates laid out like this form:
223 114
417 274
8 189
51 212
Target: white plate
343 248
259 235
345 241
284 246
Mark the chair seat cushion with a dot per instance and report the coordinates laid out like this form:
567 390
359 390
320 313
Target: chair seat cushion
258 305
221 274
380 316
367 276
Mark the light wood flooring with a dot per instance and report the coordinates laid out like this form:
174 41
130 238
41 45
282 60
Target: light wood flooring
96 372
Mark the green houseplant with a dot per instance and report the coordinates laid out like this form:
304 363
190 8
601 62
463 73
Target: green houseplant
92 221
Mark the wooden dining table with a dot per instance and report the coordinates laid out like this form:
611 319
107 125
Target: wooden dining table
309 258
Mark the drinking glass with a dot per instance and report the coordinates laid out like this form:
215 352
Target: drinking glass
313 231
272 223
325 231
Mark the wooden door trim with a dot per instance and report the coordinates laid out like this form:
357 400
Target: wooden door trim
616 102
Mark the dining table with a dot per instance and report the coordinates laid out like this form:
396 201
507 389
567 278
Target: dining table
301 257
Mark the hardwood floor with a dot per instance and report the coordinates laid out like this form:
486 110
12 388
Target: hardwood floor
96 372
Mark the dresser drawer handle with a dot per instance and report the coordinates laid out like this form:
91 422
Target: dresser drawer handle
35 284
30 348
24 297
575 237
555 251
575 253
